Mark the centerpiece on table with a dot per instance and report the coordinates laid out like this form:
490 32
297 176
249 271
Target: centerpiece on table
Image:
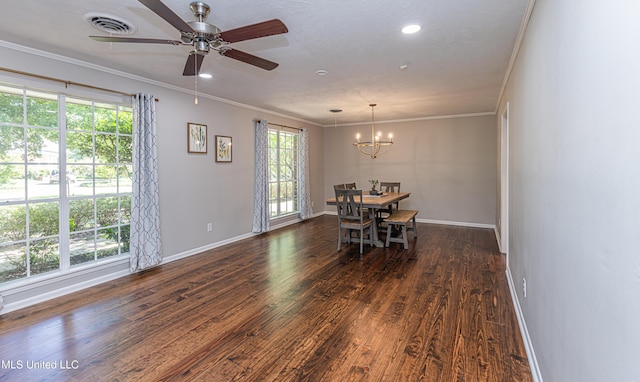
374 184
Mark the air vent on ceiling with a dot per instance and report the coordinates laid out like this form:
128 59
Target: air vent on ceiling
109 23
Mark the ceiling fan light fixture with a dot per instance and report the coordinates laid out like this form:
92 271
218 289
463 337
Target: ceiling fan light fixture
410 29
201 35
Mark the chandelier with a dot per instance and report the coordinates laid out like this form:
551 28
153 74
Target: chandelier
372 148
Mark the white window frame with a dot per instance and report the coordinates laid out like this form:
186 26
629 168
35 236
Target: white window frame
63 199
279 182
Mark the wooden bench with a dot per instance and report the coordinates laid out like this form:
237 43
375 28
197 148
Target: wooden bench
401 218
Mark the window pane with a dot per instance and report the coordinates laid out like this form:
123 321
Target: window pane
42 109
42 145
124 120
80 180
106 181
44 255
11 106
43 219
105 118
82 248
124 149
42 182
11 143
106 147
13 223
107 242
124 238
107 211
273 171
125 210
12 183
125 179
79 147
13 262
79 115
81 215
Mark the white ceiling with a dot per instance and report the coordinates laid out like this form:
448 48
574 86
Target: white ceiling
455 65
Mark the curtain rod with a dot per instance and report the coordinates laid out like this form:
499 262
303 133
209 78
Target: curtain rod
285 126
67 83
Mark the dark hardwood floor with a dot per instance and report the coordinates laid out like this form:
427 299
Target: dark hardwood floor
285 306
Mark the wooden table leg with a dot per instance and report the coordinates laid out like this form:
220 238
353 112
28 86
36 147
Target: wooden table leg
375 240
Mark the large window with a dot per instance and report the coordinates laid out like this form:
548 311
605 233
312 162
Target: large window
65 182
283 173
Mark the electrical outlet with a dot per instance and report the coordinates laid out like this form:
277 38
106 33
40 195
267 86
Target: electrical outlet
312 203
524 287
209 227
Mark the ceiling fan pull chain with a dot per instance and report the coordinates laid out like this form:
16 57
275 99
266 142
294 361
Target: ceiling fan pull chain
196 77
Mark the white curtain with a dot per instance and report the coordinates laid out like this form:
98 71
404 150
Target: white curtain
305 188
146 247
261 194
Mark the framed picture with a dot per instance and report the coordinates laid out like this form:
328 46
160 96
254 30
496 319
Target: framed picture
196 138
223 148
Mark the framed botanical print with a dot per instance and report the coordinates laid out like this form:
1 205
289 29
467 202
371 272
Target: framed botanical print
223 148
196 138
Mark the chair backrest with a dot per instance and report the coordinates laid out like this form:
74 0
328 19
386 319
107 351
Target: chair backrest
345 186
390 186
349 204
350 186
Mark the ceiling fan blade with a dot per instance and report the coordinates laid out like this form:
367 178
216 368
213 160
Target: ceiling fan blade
167 14
194 62
136 40
263 29
249 59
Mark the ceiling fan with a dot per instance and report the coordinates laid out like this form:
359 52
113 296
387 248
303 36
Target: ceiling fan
205 37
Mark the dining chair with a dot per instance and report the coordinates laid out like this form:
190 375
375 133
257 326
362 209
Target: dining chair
383 213
352 217
389 187
339 187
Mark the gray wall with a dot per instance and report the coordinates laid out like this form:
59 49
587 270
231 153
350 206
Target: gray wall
575 188
447 164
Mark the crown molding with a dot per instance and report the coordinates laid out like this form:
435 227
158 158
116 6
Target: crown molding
516 49
469 115
88 65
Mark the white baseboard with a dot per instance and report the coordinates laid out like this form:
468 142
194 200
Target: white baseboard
460 224
498 239
441 222
531 355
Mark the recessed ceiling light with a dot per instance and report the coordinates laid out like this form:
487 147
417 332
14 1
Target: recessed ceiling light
205 75
413 28
321 72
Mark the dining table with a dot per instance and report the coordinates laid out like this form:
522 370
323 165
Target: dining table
374 203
